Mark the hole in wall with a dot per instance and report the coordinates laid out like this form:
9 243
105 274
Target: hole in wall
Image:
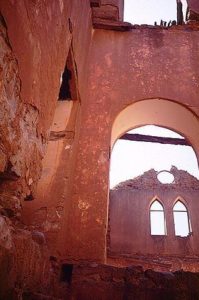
131 197
65 90
130 159
165 177
29 197
66 273
139 209
53 258
68 80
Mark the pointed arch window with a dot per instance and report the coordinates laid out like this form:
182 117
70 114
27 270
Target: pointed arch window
181 219
157 219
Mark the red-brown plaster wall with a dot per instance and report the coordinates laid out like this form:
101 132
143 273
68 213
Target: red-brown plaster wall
129 236
40 36
130 223
124 68
193 5
144 63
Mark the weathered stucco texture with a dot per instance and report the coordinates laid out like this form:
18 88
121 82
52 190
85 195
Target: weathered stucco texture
124 68
35 37
132 283
34 54
193 5
40 43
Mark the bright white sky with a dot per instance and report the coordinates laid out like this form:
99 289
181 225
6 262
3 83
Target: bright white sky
130 159
149 11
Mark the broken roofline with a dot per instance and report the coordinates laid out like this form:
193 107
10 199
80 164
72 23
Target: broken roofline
108 15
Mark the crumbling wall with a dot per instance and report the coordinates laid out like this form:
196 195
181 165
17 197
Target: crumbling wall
19 137
105 282
35 38
129 227
24 261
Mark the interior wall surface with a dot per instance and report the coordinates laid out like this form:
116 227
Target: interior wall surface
193 5
124 67
130 229
40 43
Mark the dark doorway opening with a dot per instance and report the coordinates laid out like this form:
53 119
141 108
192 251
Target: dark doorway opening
66 273
68 80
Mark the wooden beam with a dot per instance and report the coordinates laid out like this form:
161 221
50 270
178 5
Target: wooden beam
154 139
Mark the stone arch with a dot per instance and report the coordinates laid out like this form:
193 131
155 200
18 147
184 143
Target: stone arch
155 198
159 112
182 200
163 113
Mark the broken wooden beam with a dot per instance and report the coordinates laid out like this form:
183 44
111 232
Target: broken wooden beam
57 135
154 139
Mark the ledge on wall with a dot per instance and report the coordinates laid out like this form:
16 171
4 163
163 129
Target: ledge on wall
111 25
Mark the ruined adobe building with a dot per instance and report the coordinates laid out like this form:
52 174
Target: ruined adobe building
55 155
130 239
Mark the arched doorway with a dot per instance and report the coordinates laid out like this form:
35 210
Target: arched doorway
160 112
173 116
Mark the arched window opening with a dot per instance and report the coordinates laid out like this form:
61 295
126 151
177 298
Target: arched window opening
151 147
181 219
157 220
154 144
